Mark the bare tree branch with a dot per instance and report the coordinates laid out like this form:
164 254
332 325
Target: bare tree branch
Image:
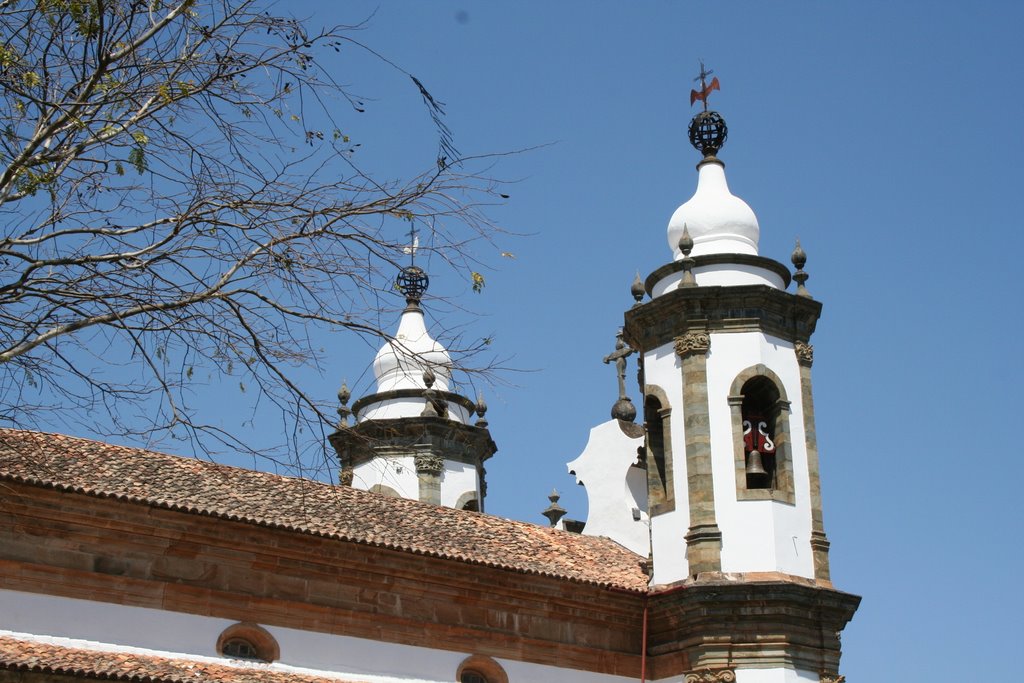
178 201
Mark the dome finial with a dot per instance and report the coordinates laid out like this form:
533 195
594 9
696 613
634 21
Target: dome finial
707 129
637 289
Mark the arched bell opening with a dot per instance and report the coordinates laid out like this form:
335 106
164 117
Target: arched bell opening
763 448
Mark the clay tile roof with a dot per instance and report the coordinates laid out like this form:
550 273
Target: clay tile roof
49 658
301 505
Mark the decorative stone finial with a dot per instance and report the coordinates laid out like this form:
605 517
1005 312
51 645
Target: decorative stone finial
343 411
637 289
623 409
554 511
430 408
685 247
481 410
799 259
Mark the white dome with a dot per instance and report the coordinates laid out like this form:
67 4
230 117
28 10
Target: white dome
400 363
718 221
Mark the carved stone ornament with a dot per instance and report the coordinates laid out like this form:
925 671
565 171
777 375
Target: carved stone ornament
711 676
804 353
347 474
692 342
832 678
432 464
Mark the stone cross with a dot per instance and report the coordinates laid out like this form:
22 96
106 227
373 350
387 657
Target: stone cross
619 355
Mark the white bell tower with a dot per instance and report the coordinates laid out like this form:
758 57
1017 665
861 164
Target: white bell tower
732 460
413 437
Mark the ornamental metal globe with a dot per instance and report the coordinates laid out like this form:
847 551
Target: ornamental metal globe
708 132
412 281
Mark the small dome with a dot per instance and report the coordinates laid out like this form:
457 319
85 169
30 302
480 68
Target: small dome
400 363
718 221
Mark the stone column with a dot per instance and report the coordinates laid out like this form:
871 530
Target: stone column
428 469
819 542
704 538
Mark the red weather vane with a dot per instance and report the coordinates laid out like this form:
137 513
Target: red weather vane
705 87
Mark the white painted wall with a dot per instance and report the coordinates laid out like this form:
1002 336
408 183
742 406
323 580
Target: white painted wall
118 628
456 479
779 675
398 472
395 408
604 469
662 368
723 274
758 535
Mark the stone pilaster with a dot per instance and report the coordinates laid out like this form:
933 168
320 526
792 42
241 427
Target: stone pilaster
819 541
428 470
704 538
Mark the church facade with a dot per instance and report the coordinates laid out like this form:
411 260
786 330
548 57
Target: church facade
704 557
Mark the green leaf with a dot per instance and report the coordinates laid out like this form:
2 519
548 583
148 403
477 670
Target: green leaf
137 158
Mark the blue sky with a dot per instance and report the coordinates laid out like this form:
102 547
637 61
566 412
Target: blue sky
887 136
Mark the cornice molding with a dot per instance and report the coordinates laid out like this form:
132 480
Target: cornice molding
740 308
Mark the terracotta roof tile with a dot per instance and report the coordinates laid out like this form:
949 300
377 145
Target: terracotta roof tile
301 505
49 658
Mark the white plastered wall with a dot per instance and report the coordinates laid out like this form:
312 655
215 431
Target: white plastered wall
140 630
457 479
605 468
777 675
412 406
724 274
662 368
397 472
758 535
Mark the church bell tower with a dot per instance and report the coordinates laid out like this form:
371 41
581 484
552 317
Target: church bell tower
733 489
413 437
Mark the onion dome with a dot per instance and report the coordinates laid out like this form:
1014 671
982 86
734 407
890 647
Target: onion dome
402 361
718 221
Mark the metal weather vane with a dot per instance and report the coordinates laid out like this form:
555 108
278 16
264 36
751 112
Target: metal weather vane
707 129
414 244
705 87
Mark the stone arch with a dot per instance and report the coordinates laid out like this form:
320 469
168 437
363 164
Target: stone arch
479 667
384 491
469 498
261 645
657 412
773 395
